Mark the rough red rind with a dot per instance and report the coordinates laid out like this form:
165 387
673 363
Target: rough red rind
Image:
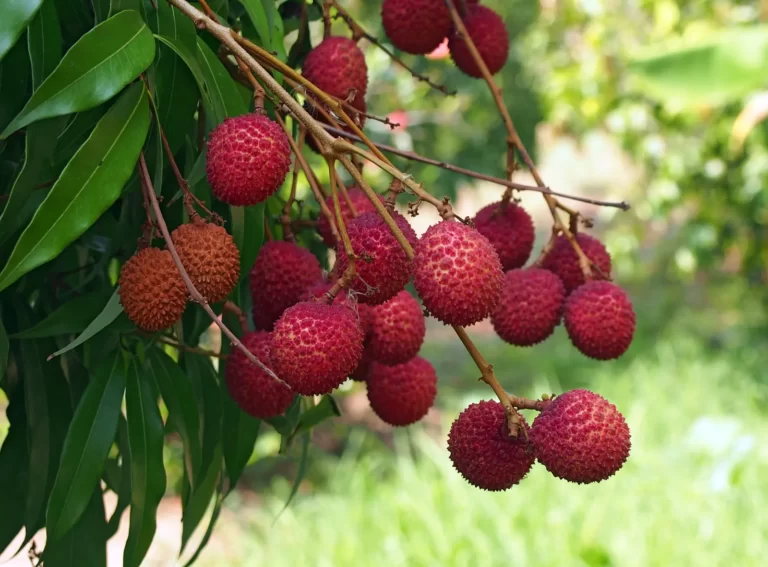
255 392
361 204
401 395
581 437
563 261
600 320
337 65
210 257
360 374
457 273
319 289
397 329
316 346
530 306
383 269
248 159
488 32
151 290
482 451
416 26
281 273
510 229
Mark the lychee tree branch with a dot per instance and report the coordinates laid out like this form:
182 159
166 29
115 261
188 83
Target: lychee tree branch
285 219
350 272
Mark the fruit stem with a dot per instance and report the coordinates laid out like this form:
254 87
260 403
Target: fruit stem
258 91
187 348
350 273
327 19
285 219
525 403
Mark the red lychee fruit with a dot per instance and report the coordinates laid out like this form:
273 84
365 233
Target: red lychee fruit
248 159
360 374
489 34
281 273
252 389
382 267
581 437
151 290
563 261
482 450
316 346
457 273
402 394
360 203
510 229
530 307
319 289
337 66
210 257
415 26
397 329
600 320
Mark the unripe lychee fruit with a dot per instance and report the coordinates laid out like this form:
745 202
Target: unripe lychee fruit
416 26
281 273
510 229
360 203
530 307
581 437
252 389
315 346
563 261
489 34
319 289
337 66
397 329
402 394
600 320
151 290
482 450
248 159
457 273
382 267
210 257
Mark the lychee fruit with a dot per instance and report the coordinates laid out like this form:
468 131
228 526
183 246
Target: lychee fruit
382 266
281 273
402 395
210 257
482 450
316 346
151 290
510 229
457 273
248 159
530 307
359 201
489 34
360 374
563 261
319 289
600 320
416 26
581 437
397 329
252 389
337 66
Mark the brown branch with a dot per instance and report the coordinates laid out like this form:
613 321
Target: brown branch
350 272
187 348
524 403
285 219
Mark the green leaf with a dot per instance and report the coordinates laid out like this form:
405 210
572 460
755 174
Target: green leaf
201 372
3 349
145 435
44 42
86 447
239 434
300 473
225 100
199 500
77 130
76 17
248 234
317 414
724 65
211 524
101 9
89 184
94 70
189 57
123 489
14 78
72 317
107 315
85 543
120 5
14 467
16 16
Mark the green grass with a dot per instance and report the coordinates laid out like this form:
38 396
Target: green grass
692 493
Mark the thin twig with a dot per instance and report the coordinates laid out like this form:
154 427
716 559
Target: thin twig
350 272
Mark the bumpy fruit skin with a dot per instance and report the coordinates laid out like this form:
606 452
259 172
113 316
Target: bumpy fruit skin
361 204
510 229
210 257
280 275
530 307
488 32
581 437
457 273
383 269
600 320
336 66
319 289
402 395
563 261
151 290
360 374
397 329
248 159
482 450
255 392
316 346
416 26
